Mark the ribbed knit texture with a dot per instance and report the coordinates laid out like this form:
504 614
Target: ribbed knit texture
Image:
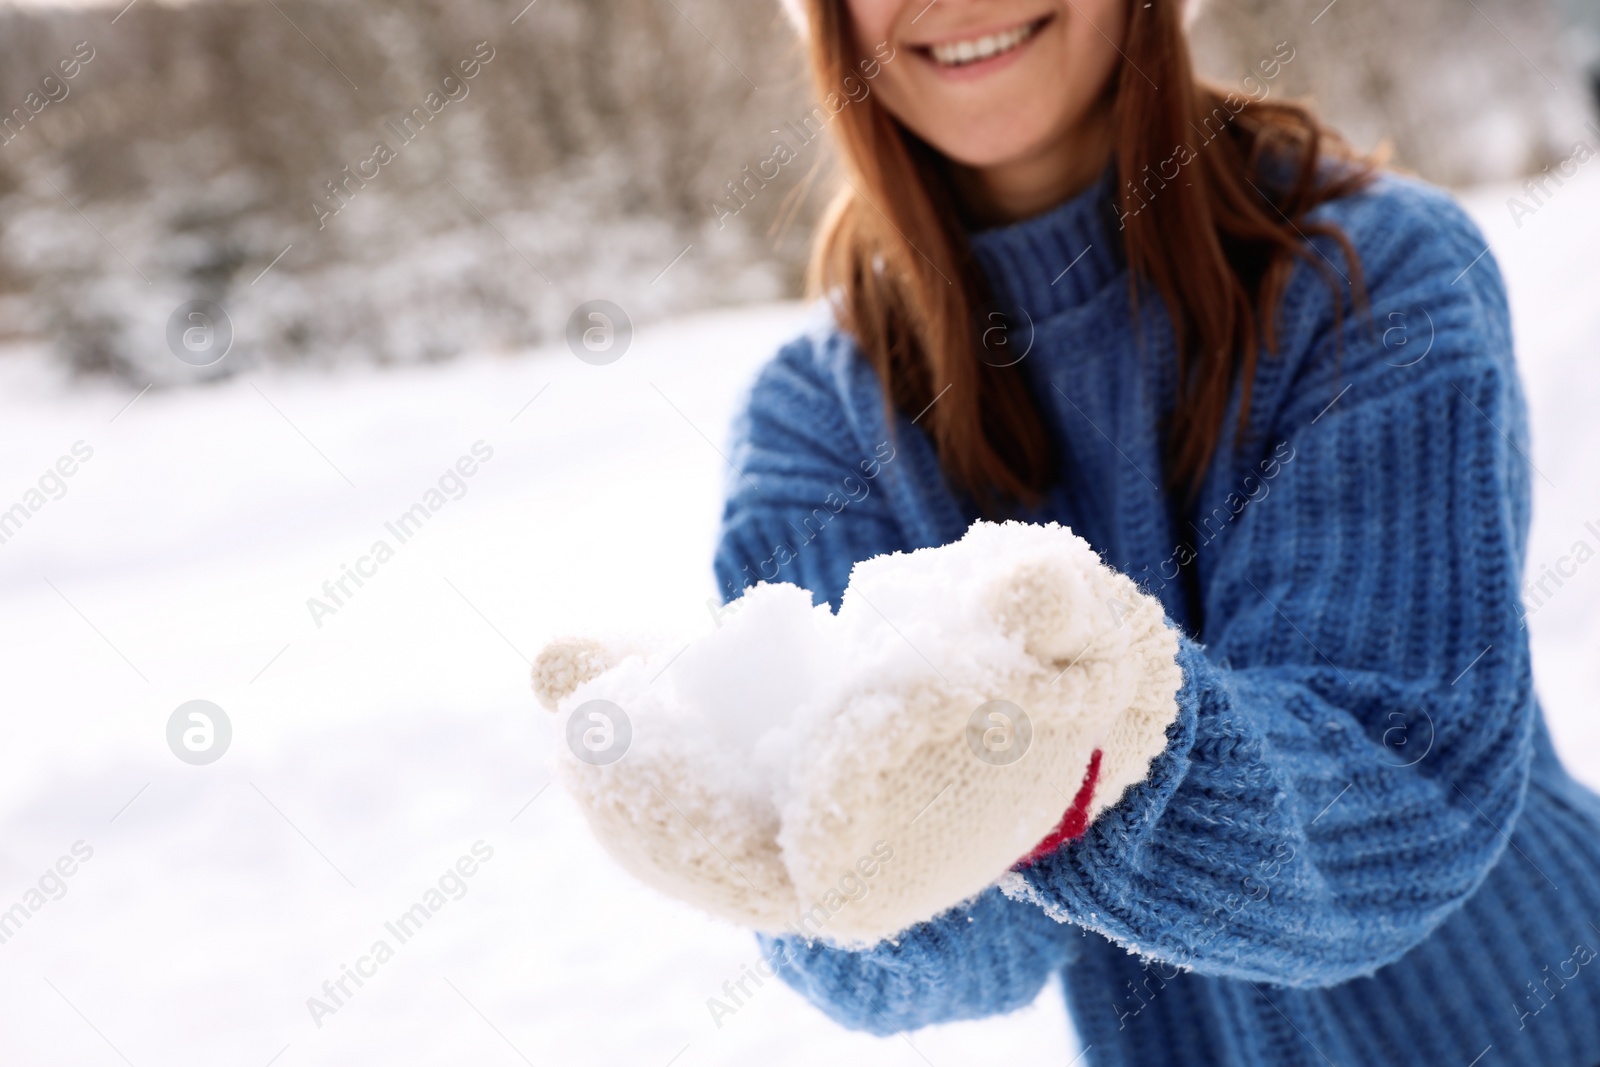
1359 846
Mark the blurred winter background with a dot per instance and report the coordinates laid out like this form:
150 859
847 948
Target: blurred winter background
381 326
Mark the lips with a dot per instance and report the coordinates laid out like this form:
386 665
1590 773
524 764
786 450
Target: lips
968 51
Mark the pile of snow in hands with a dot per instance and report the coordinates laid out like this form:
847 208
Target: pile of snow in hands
792 750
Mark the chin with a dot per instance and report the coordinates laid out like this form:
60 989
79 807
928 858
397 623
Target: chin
999 128
981 146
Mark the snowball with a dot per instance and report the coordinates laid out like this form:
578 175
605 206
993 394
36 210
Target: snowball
748 677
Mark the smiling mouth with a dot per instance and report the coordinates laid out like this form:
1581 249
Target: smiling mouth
964 53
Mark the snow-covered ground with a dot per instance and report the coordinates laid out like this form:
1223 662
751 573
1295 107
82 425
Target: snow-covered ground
374 751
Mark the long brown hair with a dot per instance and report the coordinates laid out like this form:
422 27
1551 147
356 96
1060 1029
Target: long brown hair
1217 247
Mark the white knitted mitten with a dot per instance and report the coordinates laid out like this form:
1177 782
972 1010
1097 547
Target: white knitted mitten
846 776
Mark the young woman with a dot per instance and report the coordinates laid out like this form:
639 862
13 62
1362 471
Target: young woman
1063 280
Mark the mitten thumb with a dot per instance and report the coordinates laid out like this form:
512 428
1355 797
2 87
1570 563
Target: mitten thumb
567 662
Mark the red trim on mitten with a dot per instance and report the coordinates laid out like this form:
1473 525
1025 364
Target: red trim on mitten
1073 823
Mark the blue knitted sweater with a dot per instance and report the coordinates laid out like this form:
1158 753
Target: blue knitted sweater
1359 846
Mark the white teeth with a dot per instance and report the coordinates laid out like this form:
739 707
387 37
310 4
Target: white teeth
960 53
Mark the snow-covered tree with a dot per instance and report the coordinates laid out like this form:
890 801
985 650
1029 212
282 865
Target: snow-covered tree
1460 90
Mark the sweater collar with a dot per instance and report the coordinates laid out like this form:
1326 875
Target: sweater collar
1056 261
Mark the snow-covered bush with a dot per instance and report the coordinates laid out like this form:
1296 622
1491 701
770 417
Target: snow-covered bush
392 181
1462 91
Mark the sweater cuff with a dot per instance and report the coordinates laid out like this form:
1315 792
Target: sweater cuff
1117 825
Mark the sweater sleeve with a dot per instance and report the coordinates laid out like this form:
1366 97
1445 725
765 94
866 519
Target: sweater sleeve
800 502
1355 733
987 956
814 472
